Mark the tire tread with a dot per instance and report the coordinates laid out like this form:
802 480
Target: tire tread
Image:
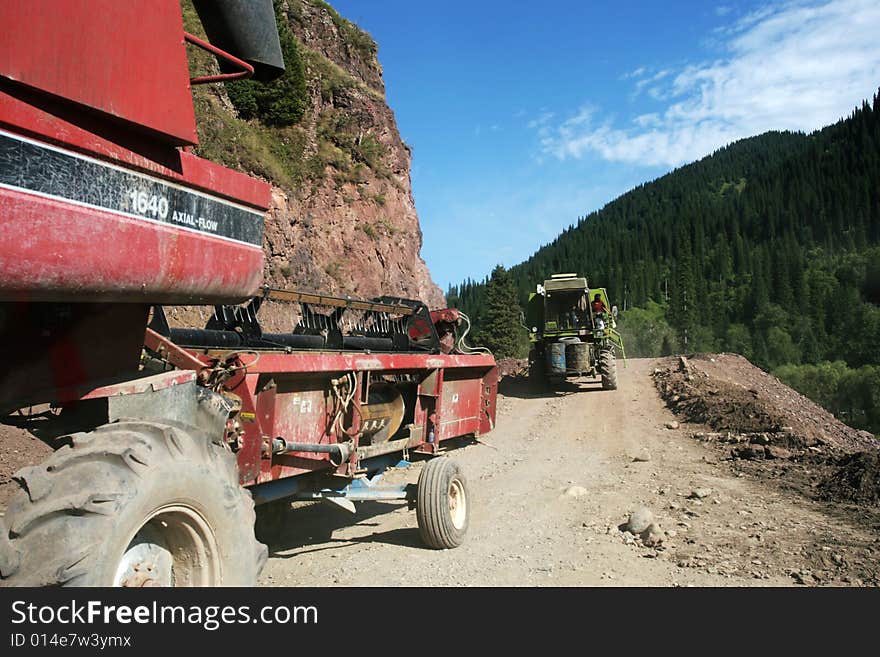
81 489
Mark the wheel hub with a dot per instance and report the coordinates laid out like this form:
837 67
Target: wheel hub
145 564
174 547
457 504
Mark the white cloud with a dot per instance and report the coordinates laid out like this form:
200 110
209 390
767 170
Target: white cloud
794 66
542 120
653 79
637 73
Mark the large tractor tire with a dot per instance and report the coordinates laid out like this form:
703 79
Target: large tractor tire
132 504
537 374
271 519
608 369
442 505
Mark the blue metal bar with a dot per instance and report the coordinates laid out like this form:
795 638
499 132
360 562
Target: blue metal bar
362 490
358 495
276 490
302 487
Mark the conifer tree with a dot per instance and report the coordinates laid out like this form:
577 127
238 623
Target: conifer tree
500 328
684 300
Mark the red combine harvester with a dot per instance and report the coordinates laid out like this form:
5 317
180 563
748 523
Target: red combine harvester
106 217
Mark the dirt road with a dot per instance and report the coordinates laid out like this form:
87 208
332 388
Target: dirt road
550 488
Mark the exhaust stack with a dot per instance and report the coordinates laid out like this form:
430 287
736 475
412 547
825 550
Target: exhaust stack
247 30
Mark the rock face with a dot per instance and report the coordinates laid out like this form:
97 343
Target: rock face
358 235
343 219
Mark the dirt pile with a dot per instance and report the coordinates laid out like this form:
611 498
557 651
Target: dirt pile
728 393
770 429
511 367
857 480
18 448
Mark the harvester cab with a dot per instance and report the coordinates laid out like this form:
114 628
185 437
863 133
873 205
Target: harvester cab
572 331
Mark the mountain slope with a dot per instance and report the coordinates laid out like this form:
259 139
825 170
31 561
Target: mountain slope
343 219
768 247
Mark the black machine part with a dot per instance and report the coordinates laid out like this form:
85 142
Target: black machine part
247 30
237 327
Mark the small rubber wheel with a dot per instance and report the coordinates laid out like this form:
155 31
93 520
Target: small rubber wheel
538 380
442 504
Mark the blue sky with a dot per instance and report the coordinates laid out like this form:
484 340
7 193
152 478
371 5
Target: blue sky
524 116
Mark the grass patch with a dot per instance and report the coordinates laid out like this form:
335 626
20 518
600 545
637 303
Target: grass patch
728 187
388 226
349 150
274 154
335 270
335 81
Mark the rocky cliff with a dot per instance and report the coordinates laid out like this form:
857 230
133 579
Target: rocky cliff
343 220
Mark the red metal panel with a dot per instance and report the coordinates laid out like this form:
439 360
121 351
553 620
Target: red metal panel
59 353
305 362
124 59
250 454
460 407
54 249
488 400
35 116
155 382
288 465
302 415
62 250
459 427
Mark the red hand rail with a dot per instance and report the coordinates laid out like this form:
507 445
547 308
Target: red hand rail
246 72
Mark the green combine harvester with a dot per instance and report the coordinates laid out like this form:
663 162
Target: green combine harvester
572 331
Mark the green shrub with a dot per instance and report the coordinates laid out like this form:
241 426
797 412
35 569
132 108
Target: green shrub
343 146
387 225
282 102
370 151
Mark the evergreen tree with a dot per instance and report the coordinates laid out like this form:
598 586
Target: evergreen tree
500 328
684 299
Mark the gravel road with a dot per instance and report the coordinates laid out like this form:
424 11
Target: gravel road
551 489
